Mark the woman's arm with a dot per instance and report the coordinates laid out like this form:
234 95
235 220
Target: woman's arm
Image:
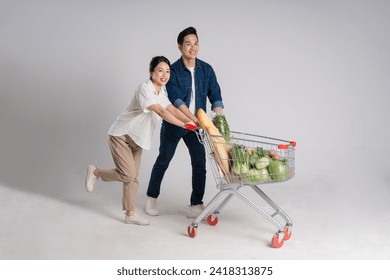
179 120
180 115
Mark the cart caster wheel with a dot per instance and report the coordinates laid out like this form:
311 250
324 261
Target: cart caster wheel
211 221
192 231
275 241
287 233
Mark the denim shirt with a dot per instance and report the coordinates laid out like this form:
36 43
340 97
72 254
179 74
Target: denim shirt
179 90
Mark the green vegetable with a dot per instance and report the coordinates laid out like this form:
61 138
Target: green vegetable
279 170
244 167
263 152
256 155
221 123
253 159
254 176
262 162
240 159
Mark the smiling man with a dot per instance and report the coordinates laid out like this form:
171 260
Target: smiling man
192 82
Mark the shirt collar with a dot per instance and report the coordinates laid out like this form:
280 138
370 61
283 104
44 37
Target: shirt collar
183 66
152 88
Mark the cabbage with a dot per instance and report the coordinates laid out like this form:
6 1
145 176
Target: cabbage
263 162
279 170
253 159
254 176
256 155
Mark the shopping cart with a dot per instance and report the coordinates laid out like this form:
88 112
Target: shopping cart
247 160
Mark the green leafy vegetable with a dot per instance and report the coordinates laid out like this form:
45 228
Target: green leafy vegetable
255 156
240 159
221 123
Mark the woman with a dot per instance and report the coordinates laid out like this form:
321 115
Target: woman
132 132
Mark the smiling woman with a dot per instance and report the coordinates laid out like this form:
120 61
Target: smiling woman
132 132
160 70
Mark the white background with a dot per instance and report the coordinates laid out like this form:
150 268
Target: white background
311 71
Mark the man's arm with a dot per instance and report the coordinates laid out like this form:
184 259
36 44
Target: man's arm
214 92
184 109
175 96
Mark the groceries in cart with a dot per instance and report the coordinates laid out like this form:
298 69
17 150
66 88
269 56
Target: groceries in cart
247 158
242 160
221 123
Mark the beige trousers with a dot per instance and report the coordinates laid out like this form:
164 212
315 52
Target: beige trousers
127 158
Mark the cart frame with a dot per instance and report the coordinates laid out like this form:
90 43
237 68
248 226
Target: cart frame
230 184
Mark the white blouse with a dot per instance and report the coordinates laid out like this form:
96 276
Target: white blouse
136 120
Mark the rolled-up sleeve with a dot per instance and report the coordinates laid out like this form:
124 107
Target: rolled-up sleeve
145 97
178 102
217 104
174 91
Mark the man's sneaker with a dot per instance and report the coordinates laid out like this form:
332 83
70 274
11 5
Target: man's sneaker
151 206
136 219
90 179
194 211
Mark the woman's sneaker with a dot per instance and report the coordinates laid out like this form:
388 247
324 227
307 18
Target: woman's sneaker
90 179
136 219
151 207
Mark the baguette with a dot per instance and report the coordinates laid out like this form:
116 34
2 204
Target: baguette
216 137
204 120
221 156
221 148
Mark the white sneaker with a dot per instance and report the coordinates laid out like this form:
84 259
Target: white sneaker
90 179
136 219
151 207
194 211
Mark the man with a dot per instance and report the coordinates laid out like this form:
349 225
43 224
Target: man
192 82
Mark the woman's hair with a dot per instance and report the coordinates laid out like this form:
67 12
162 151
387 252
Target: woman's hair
188 31
155 61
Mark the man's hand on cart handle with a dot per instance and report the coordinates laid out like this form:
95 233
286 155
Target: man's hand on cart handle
217 111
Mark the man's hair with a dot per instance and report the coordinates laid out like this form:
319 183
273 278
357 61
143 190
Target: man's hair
188 31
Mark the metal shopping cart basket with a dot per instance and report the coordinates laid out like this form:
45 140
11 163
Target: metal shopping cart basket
247 160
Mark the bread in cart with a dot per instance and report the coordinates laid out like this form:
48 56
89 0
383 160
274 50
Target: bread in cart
221 147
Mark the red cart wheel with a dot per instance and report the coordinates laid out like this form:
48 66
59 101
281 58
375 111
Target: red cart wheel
192 231
211 221
275 241
287 233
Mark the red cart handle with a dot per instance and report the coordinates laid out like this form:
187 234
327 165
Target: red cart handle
285 146
191 127
293 143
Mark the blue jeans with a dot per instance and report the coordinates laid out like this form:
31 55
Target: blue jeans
166 152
